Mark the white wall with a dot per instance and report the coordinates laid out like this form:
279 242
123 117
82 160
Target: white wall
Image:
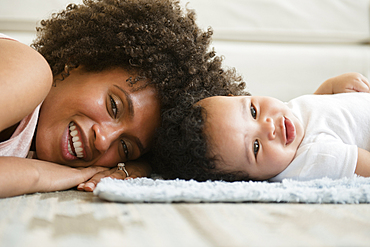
286 48
19 18
283 48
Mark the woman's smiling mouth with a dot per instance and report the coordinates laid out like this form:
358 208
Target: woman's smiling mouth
75 146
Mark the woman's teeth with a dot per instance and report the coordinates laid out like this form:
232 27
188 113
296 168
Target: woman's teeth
77 145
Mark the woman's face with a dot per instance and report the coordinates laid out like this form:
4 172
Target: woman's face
96 118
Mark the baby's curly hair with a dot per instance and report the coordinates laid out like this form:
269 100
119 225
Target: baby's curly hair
182 149
156 40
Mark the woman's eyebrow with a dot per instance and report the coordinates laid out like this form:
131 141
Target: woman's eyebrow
140 146
129 101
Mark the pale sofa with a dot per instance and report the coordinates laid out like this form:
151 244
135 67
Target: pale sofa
286 48
283 48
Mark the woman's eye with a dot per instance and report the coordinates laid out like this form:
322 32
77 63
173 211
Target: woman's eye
125 149
113 106
253 112
256 147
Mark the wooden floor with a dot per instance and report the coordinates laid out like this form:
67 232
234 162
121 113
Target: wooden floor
73 218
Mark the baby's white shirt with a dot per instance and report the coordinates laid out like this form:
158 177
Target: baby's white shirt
335 126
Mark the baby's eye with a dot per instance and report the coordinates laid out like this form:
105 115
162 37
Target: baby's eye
253 112
256 147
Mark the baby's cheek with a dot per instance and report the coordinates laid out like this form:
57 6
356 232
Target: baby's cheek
280 159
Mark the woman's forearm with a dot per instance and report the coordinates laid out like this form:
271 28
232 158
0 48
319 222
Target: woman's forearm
22 176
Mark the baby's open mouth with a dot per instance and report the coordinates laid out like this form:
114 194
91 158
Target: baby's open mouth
290 131
75 147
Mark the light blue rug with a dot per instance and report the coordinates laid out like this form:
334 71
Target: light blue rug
353 190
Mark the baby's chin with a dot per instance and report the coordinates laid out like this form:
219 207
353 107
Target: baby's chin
273 171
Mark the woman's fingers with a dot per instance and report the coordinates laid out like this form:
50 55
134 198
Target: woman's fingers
90 184
118 174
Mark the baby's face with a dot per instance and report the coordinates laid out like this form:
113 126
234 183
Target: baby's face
257 136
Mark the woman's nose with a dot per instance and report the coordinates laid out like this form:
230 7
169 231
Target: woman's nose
104 137
269 128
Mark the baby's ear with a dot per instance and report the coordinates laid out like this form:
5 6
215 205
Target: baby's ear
230 94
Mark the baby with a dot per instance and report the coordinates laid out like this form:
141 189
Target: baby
262 138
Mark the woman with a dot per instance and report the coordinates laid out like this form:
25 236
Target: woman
106 70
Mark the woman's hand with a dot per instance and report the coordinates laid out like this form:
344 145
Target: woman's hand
23 176
135 169
346 83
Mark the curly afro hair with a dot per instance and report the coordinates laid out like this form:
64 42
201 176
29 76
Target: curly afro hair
157 40
181 148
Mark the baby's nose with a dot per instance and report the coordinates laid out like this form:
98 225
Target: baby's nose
270 128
